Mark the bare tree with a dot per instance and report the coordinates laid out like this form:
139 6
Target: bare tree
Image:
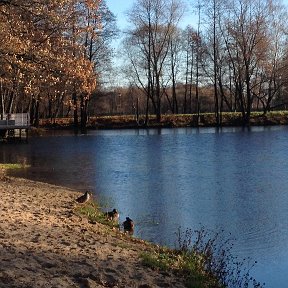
271 75
173 65
198 44
153 25
189 37
244 40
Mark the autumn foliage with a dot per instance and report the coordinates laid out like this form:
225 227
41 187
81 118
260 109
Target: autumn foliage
43 53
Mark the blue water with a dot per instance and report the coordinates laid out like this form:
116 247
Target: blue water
231 179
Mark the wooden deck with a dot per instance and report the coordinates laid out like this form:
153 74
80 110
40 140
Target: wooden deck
14 126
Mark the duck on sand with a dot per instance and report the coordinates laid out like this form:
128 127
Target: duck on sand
84 198
112 215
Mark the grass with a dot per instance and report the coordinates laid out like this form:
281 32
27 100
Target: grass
204 259
173 120
94 214
9 166
187 264
161 258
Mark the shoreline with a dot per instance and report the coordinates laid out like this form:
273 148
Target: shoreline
44 243
169 121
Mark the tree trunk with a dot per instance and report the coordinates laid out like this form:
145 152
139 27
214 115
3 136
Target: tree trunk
32 111
186 85
75 112
36 121
158 100
83 108
215 63
10 102
173 72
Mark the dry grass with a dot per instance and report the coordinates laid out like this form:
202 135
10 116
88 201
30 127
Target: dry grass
171 120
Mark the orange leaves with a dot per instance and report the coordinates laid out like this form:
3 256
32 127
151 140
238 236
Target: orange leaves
40 50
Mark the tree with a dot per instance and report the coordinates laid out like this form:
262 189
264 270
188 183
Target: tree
40 61
174 57
271 76
198 57
189 47
148 44
245 58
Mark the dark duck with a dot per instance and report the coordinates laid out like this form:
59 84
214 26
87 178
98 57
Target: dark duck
128 225
83 198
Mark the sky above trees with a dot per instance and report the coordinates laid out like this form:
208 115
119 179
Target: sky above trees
119 9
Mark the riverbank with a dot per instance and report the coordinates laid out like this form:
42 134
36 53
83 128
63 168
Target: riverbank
170 121
44 243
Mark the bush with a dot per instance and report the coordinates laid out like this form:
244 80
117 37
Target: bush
216 259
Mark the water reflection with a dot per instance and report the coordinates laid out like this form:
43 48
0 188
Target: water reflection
232 179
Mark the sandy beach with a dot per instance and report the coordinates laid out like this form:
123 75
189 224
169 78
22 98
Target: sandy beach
44 243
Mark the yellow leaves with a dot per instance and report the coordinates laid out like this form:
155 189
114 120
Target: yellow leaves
40 49
92 4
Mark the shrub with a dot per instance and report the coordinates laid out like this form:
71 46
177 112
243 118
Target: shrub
214 256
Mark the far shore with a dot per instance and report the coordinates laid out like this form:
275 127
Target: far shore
45 244
228 119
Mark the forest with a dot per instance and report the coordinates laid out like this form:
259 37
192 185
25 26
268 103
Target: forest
57 59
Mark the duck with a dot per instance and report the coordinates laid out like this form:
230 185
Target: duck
112 215
84 198
128 225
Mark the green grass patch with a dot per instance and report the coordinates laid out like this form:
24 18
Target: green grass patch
159 260
204 258
188 264
94 214
10 166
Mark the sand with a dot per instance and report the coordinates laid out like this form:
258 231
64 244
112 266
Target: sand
43 243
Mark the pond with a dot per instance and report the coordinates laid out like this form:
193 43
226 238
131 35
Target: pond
233 179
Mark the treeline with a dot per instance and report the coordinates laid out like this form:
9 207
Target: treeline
55 58
131 100
234 59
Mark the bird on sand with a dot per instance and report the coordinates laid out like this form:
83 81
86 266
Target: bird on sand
128 225
112 215
83 198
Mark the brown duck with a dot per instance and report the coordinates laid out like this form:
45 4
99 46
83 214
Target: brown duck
112 215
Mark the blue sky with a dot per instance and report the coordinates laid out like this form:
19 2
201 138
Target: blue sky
118 8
